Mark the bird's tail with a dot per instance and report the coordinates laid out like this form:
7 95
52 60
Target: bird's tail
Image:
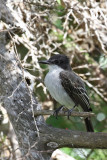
87 120
89 125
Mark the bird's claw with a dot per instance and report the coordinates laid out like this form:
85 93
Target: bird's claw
57 111
69 113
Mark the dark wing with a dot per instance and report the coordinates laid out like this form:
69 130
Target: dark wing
75 88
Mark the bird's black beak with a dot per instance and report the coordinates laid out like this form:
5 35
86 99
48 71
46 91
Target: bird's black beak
44 62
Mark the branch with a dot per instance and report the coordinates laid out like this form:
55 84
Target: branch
56 138
96 90
62 113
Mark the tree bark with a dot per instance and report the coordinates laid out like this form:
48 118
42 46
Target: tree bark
56 138
16 97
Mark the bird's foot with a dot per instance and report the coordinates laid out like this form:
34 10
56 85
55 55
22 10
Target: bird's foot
70 111
57 111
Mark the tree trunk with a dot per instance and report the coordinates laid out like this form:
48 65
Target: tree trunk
19 103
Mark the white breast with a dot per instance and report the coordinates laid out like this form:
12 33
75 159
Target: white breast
53 84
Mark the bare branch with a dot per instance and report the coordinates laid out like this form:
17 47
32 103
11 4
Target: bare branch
62 113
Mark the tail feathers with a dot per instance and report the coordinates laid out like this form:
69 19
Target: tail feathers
89 125
87 120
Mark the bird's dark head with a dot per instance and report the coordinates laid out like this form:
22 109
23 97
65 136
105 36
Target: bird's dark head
59 60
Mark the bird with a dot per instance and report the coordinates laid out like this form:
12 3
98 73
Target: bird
66 87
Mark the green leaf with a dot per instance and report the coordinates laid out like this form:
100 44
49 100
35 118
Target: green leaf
59 2
103 61
58 24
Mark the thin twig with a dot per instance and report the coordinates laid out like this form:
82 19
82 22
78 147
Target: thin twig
62 113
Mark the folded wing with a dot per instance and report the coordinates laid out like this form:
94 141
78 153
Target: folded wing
75 88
